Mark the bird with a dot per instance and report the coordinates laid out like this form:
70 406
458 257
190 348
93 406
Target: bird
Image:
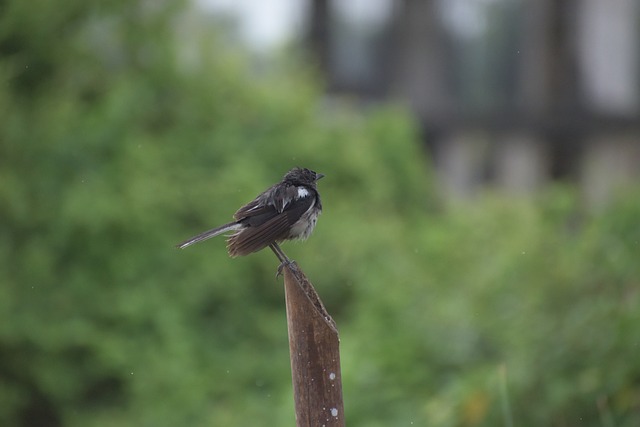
288 210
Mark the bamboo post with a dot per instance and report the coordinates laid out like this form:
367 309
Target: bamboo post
314 351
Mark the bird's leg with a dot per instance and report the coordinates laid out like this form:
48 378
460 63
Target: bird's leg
284 260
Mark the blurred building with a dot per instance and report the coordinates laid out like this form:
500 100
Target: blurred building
514 93
509 93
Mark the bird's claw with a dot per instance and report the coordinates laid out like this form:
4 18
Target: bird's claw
284 263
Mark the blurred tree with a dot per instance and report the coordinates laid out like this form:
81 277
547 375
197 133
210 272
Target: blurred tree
113 132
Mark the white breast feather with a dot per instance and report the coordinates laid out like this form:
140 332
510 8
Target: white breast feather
302 192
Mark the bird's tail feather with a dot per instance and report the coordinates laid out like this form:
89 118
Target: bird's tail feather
209 234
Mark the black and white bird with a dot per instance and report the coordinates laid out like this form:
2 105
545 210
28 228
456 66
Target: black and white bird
286 211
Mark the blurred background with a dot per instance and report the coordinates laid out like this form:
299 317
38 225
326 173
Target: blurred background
479 248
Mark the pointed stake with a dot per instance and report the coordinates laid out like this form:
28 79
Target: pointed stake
315 353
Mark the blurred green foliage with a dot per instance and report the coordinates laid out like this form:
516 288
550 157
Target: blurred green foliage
119 138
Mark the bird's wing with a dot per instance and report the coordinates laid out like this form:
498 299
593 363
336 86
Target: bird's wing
275 198
265 225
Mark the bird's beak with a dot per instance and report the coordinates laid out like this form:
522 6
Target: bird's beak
319 175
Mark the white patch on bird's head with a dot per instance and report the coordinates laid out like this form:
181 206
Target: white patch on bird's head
302 192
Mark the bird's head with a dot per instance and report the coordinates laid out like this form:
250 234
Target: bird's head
302 176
